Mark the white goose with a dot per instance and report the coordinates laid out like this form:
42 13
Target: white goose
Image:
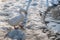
20 18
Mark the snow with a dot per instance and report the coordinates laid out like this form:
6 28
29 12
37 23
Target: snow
33 22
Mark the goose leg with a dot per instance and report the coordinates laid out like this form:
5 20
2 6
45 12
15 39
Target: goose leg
21 26
14 26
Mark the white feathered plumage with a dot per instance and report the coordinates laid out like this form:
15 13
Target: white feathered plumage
20 18
16 20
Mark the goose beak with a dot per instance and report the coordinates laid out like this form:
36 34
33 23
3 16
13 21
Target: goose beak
23 11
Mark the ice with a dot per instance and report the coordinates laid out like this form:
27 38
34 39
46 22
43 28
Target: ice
54 27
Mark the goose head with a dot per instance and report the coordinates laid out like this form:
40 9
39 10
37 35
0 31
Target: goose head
23 12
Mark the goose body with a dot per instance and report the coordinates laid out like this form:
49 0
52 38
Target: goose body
16 20
16 34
